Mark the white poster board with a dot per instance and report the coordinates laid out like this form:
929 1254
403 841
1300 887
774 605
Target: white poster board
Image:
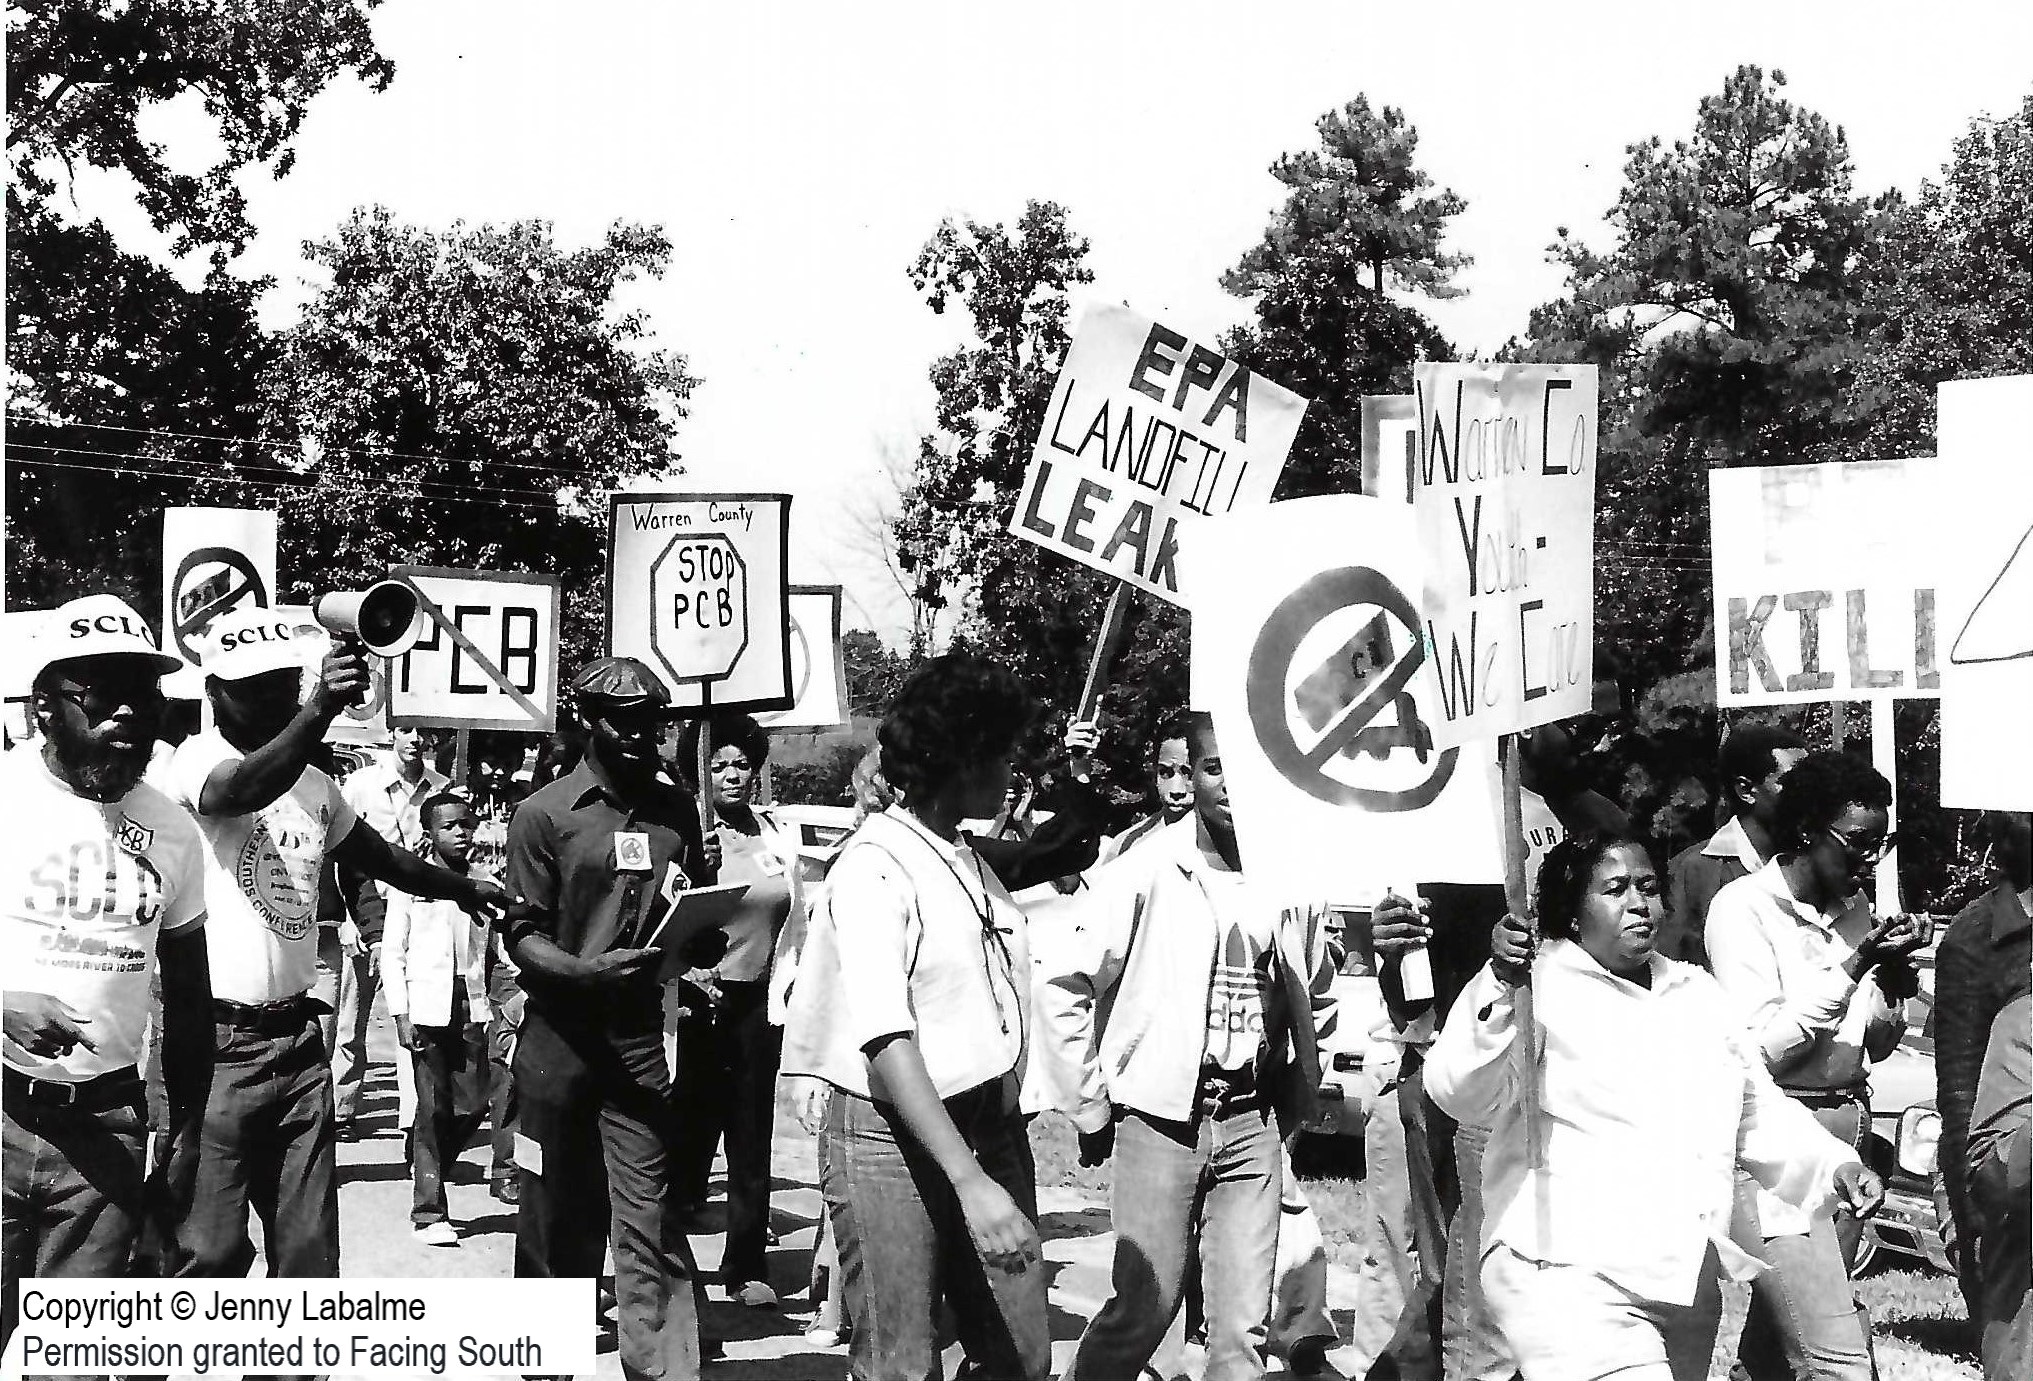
488 658
214 560
1390 445
1825 581
1986 604
1147 433
1504 498
1318 682
698 587
818 675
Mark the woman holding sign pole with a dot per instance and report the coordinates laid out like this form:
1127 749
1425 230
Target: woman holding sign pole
913 1003
1605 1257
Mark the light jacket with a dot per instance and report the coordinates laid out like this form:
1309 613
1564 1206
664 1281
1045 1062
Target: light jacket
1123 1001
428 947
1649 1100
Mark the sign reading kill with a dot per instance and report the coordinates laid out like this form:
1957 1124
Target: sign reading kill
698 587
1825 581
1503 495
1148 431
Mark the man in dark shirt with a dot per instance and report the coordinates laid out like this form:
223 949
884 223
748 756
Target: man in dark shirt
1754 758
1985 959
595 853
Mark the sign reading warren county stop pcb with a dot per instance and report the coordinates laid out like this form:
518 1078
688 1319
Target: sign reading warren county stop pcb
698 587
1147 433
1503 495
1826 581
488 657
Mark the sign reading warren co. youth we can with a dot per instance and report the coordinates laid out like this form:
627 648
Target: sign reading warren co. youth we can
1503 495
1825 581
1147 432
698 587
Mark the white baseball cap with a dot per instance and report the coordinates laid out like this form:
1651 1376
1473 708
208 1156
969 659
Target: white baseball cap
249 642
95 626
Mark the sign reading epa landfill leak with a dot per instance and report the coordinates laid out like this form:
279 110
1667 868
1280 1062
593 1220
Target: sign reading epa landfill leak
1503 495
1148 432
698 587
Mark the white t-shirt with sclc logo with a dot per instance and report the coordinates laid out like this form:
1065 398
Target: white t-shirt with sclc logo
86 888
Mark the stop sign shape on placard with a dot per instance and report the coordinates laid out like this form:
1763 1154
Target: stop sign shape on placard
698 590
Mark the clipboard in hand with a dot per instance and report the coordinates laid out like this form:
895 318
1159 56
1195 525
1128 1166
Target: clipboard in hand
680 914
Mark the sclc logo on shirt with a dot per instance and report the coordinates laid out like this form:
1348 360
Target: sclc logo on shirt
278 869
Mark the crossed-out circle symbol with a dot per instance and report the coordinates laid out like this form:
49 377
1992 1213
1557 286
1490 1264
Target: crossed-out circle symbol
1270 669
250 589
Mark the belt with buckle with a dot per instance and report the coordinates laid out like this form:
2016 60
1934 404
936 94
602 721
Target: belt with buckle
115 1088
278 1018
1226 1091
1829 1097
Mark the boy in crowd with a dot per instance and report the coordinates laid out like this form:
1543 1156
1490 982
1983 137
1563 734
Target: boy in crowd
432 957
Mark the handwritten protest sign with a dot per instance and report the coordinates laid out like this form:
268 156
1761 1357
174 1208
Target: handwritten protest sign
1986 597
1825 581
1316 674
1504 499
488 657
698 587
1147 433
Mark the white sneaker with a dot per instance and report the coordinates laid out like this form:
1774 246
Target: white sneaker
754 1294
438 1234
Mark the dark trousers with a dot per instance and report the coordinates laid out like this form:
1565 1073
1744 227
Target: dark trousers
268 1145
72 1201
904 1243
596 1120
451 1100
727 1067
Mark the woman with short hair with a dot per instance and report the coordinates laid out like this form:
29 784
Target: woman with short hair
1603 1253
913 1003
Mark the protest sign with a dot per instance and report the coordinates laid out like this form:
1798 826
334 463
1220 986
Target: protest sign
1504 499
1986 597
818 676
698 587
1147 433
488 657
1825 581
1309 657
1390 445
214 560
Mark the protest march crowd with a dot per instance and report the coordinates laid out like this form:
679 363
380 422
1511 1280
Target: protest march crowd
1595 1110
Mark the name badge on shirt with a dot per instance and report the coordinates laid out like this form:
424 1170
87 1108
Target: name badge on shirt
631 851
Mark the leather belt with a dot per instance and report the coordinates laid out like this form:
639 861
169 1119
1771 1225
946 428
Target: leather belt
115 1088
282 1017
1829 1097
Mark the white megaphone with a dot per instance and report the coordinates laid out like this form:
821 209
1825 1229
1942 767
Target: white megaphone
384 617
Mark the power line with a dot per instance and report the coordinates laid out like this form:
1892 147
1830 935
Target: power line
292 447
265 484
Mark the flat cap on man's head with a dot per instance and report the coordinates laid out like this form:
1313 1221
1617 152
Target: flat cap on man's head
620 683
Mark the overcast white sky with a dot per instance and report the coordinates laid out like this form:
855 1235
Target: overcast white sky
798 154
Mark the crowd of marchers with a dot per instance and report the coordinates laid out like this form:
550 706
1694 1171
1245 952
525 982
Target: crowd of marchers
1655 1081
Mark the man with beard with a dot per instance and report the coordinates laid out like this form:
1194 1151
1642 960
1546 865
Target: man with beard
269 821
597 852
102 882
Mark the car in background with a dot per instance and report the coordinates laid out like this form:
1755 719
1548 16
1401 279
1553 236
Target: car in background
1901 1144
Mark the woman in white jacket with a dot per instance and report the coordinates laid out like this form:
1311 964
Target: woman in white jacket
1607 1227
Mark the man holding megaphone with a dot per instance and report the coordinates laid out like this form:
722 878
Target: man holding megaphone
269 821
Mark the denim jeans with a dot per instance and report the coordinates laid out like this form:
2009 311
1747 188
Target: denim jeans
506 997
596 1109
1565 1323
1472 1346
1218 1176
451 1101
1396 1329
1806 1321
267 1145
726 1085
359 981
73 1196
904 1243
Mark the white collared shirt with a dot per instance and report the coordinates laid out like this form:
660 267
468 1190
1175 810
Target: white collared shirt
427 946
391 806
1732 842
1648 1104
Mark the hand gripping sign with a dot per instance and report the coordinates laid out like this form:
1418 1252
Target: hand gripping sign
1504 498
1147 433
698 586
488 657
1309 657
